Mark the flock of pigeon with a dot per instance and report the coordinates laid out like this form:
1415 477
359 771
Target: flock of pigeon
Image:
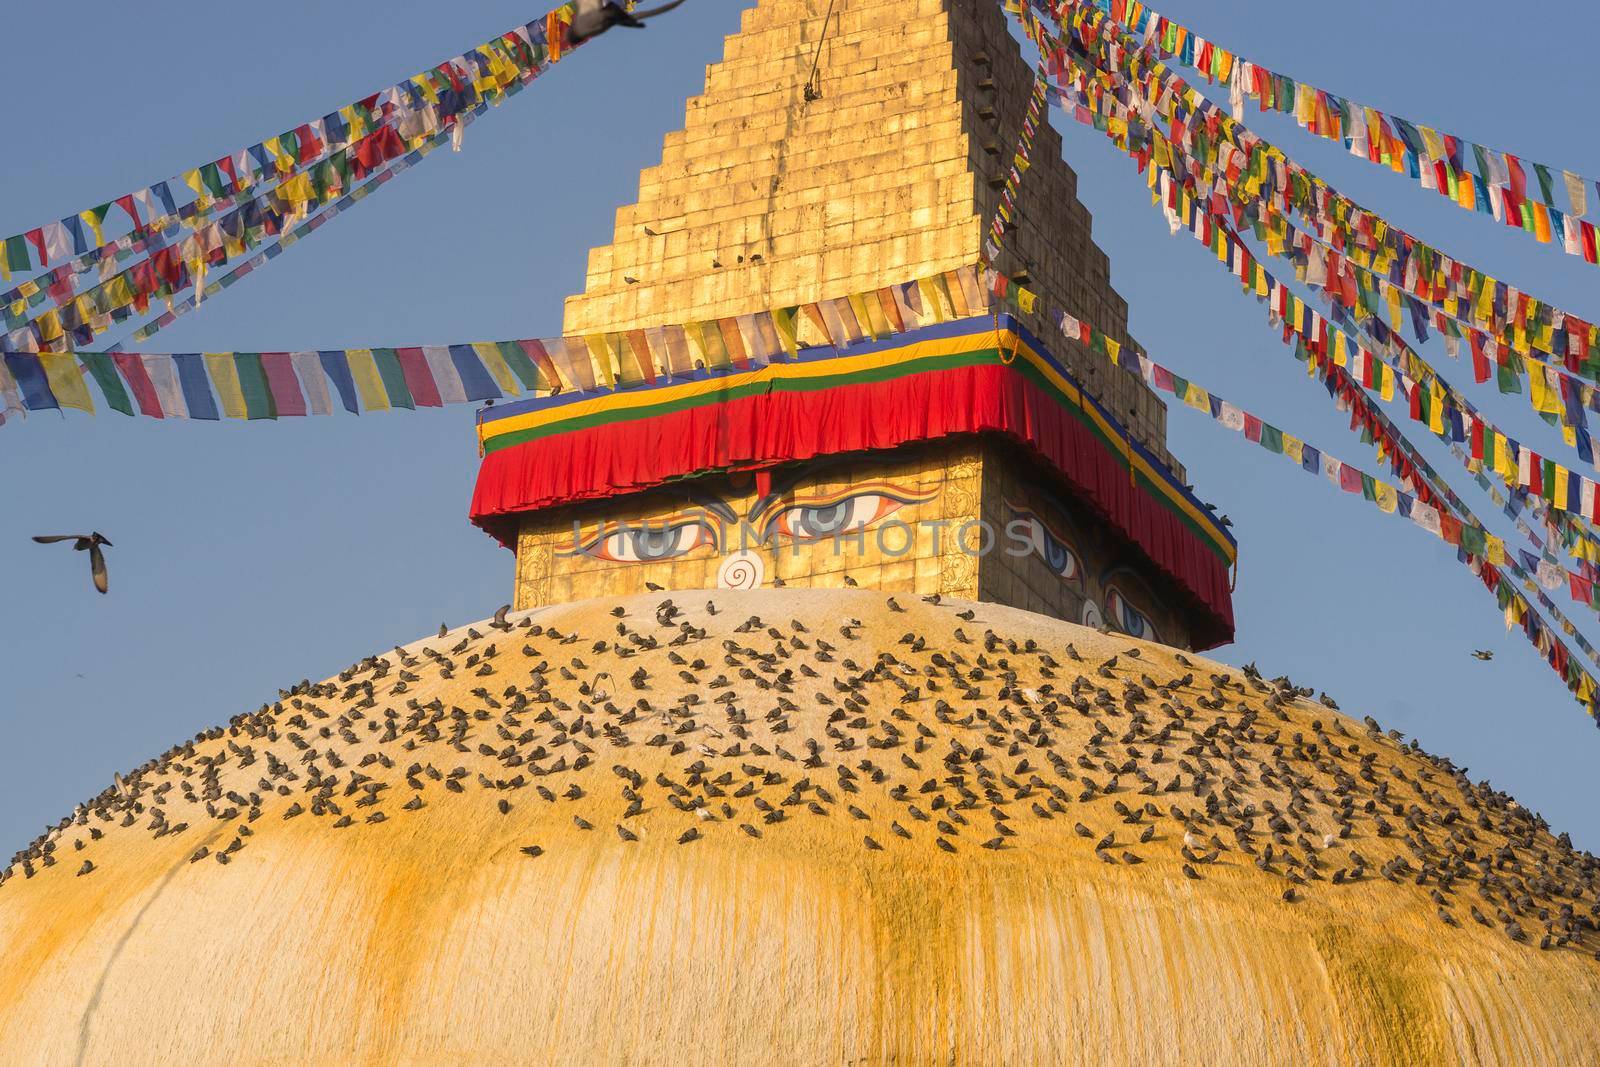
661 725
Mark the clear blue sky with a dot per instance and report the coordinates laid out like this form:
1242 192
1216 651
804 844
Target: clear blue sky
250 556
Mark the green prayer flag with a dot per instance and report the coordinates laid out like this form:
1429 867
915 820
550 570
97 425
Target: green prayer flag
212 178
1549 480
1474 541
523 367
105 376
1272 439
1547 186
17 253
1483 162
394 378
1507 379
258 402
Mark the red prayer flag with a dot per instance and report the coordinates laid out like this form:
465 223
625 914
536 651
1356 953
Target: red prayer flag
139 383
419 377
311 145
735 343
36 238
1480 361
126 203
1519 181
640 346
282 383
535 350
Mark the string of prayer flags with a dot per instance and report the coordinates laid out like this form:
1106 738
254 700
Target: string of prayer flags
271 385
1160 103
1484 554
419 105
77 318
1005 207
1479 550
1436 160
1369 420
1316 335
48 332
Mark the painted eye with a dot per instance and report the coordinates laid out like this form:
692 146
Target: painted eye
1055 553
648 543
1127 618
1091 615
814 522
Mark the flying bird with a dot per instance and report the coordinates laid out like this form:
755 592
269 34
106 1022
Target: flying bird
89 543
1482 653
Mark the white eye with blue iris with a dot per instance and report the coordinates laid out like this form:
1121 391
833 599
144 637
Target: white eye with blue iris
1052 550
1061 560
651 543
1127 618
814 522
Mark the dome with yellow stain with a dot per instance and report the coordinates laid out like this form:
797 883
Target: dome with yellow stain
797 827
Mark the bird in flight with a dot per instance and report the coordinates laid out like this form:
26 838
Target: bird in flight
1483 654
89 543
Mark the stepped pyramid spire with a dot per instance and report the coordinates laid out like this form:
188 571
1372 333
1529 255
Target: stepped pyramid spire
891 173
840 149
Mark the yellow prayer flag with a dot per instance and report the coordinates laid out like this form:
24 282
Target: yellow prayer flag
225 376
1505 462
297 190
936 299
1432 141
1386 386
496 362
1113 349
783 322
1341 357
1294 448
1496 551
1027 300
66 382
600 353
1386 498
864 315
369 383
49 324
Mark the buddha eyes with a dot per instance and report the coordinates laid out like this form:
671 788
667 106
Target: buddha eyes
1127 618
796 521
825 519
651 543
